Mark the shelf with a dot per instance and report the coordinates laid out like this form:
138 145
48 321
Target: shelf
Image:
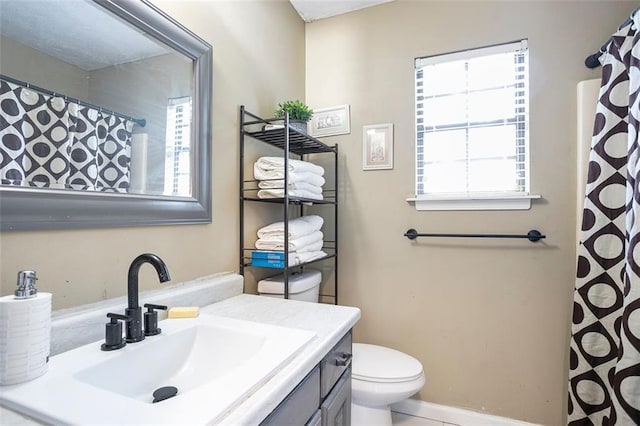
292 200
299 143
290 141
329 256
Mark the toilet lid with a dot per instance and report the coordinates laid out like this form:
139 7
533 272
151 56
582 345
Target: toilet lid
380 364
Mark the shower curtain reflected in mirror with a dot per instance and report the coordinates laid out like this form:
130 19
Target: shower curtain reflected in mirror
48 142
604 370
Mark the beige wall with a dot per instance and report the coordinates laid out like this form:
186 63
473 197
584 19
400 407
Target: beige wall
489 320
32 66
258 60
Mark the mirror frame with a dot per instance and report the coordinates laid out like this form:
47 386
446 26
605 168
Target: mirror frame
39 209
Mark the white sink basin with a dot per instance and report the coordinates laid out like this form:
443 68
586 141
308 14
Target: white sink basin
214 362
185 359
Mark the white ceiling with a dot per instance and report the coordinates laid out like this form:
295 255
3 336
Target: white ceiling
312 10
75 31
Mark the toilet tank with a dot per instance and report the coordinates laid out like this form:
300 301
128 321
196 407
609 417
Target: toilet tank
303 286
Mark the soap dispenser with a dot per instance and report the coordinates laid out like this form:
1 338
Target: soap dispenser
25 331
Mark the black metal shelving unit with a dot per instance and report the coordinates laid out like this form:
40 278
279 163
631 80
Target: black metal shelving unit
290 141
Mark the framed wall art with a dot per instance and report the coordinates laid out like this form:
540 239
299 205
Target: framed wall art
377 147
330 121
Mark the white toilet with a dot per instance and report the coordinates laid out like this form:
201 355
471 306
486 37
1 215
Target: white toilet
380 377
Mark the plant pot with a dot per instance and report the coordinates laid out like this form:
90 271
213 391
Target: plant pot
299 125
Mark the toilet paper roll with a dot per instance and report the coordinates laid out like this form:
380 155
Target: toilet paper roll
25 334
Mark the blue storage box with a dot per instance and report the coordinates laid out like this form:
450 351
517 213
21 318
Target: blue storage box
270 259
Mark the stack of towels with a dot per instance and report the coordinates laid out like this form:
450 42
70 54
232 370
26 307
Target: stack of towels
305 179
305 238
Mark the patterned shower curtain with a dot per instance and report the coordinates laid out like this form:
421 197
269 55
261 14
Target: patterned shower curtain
604 375
48 142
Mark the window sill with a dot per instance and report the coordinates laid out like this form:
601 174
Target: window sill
473 202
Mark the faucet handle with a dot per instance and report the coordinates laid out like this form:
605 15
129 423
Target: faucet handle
150 307
151 319
113 332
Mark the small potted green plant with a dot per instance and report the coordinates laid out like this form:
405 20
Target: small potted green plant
299 114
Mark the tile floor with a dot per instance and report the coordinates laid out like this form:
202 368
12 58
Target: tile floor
404 420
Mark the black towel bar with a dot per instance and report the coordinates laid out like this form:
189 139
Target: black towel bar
533 235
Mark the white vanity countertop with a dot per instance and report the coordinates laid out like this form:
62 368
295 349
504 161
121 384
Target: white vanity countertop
329 322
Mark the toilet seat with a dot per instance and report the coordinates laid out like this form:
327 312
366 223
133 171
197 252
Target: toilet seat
379 364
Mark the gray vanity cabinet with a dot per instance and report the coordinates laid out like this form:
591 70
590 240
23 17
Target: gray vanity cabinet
316 420
300 405
323 397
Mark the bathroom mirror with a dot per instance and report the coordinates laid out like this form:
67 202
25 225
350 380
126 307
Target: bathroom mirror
105 116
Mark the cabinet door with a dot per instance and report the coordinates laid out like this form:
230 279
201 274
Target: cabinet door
336 408
300 405
316 420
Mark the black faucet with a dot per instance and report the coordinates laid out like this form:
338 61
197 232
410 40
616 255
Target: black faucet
133 329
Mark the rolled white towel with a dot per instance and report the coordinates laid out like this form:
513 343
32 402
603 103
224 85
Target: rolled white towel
279 193
295 244
279 184
298 227
277 164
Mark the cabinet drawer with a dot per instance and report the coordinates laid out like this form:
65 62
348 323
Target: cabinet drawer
334 364
300 405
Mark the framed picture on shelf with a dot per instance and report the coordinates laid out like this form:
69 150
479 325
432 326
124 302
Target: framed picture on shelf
377 147
330 121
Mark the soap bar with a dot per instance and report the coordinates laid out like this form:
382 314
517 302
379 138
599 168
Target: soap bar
183 312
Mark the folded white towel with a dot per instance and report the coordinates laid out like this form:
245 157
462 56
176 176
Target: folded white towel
301 244
308 177
279 184
311 247
309 256
277 164
298 227
279 193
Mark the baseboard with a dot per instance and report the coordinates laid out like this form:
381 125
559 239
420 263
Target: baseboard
456 416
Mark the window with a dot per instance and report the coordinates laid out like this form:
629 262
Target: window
177 166
472 124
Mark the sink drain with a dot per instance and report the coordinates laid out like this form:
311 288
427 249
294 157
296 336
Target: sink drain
163 393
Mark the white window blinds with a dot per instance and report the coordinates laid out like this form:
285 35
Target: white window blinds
472 121
177 170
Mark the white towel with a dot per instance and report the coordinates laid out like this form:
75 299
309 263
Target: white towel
279 184
269 164
317 246
309 256
297 228
302 244
279 193
293 177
